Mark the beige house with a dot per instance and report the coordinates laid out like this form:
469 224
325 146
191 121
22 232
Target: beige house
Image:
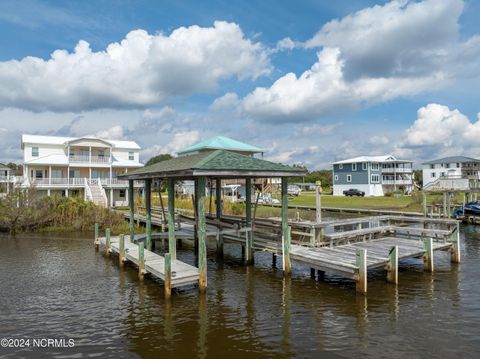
84 166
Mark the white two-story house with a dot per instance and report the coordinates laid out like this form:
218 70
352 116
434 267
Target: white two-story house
84 166
455 167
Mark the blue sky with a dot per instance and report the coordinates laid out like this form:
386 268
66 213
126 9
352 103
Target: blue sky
309 81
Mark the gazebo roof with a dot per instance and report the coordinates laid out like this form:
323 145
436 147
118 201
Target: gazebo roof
218 163
221 143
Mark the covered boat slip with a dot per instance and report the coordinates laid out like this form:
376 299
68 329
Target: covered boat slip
209 166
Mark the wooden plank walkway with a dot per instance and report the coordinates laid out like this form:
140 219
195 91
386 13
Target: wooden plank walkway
342 260
182 273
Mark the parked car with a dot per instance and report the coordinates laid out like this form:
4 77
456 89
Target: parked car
294 190
353 192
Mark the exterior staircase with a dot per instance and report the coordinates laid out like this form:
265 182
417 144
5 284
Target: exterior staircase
95 192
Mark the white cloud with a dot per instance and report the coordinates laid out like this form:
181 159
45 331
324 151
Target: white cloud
229 101
113 133
317 130
178 141
399 38
139 71
380 53
286 44
323 90
379 140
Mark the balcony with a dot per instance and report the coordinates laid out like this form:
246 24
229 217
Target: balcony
89 159
397 170
80 182
398 182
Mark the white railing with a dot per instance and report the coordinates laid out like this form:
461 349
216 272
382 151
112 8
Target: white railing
397 170
89 159
398 182
88 191
118 182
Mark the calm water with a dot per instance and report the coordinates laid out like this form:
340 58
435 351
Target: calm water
57 286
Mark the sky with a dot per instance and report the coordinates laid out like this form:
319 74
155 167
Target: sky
311 82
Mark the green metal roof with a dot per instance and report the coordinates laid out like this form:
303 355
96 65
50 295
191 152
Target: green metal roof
217 163
221 143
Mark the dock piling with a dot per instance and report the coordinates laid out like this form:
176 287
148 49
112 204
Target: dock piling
96 240
131 206
392 266
428 254
141 260
201 233
361 277
248 221
455 250
172 243
121 254
218 215
318 202
107 241
286 230
168 275
148 213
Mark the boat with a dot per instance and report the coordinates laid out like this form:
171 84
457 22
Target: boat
472 209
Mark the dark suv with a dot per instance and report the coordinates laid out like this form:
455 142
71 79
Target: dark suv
354 192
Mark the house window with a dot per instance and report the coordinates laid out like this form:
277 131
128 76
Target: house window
340 166
72 152
432 175
34 151
375 178
122 193
101 153
432 167
38 174
375 166
57 174
131 156
442 174
74 173
354 166
458 165
364 166
336 177
447 165
349 178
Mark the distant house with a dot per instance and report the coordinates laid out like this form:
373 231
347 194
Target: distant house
5 178
450 167
84 166
374 175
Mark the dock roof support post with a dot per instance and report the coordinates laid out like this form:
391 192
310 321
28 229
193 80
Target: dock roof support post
424 198
121 252
248 220
141 259
444 204
392 265
287 267
318 201
361 277
131 206
218 202
201 233
428 254
455 250
168 275
148 212
107 241
172 243
96 240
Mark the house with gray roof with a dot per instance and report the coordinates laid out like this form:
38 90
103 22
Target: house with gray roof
374 175
450 167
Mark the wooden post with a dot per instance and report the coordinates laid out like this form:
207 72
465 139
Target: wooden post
121 254
312 273
218 200
248 220
318 201
455 250
392 265
285 228
449 210
320 275
361 278
96 240
168 275
131 206
148 214
424 197
201 231
274 260
107 241
172 243
444 204
428 254
141 259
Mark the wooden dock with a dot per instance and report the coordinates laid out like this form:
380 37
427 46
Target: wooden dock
173 272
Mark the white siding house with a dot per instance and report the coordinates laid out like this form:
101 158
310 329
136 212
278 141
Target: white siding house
454 167
84 166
